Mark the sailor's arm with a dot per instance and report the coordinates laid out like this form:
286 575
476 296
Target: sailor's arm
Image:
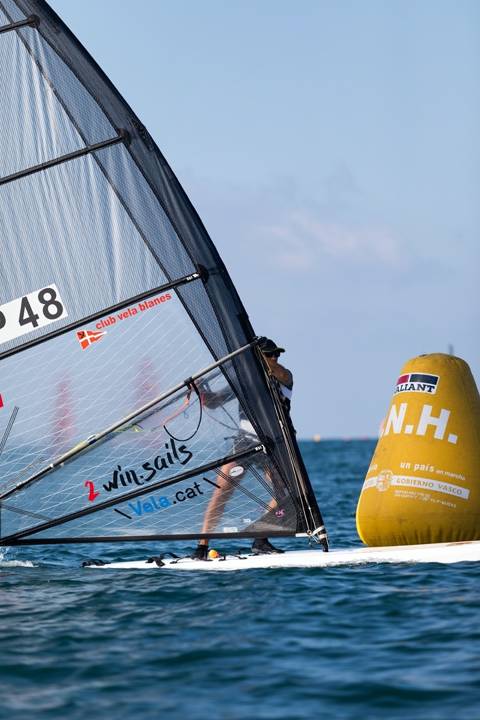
280 373
214 399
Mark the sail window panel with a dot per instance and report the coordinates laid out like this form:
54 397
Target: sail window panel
247 496
175 437
49 126
153 223
74 386
174 511
179 510
66 225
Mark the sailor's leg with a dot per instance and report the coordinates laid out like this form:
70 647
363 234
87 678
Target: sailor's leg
263 545
273 504
221 495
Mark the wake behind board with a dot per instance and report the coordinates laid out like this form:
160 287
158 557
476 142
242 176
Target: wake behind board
446 553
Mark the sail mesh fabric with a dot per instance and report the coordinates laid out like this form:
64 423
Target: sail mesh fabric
171 448
33 85
102 227
70 388
11 12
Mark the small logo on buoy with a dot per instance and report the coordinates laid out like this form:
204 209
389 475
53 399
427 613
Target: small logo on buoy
417 382
384 480
236 471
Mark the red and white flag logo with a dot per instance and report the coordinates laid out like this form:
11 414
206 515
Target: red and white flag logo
1 401
88 337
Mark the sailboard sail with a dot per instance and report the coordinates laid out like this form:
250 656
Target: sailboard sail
117 318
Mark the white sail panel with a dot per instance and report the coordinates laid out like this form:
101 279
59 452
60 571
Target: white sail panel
107 369
174 445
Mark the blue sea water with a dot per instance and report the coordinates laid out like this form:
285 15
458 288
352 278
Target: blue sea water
379 641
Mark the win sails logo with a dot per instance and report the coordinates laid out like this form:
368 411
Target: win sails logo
417 382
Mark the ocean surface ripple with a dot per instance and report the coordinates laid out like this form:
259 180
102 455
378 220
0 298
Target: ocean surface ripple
379 641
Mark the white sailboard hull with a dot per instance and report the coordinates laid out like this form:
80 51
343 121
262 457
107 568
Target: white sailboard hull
446 553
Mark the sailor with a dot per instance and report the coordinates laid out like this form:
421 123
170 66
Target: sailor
270 353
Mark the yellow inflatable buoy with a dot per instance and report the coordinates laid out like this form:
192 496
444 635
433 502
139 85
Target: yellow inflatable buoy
423 484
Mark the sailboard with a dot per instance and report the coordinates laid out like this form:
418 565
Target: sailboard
443 553
117 320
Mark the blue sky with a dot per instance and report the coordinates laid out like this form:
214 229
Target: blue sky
332 150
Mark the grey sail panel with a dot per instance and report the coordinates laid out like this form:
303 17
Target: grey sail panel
93 222
87 237
31 90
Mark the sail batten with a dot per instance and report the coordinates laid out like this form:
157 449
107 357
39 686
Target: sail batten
121 137
156 538
112 297
31 21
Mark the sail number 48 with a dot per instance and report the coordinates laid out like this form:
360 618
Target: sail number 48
24 314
